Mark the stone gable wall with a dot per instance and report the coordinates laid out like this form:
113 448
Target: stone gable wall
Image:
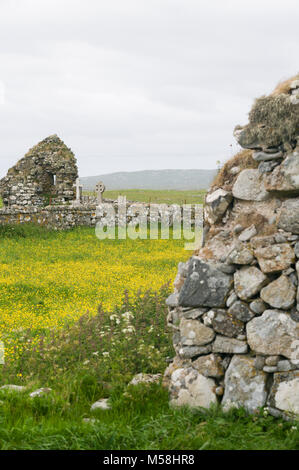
48 171
235 307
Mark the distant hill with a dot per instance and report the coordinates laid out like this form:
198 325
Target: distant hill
152 179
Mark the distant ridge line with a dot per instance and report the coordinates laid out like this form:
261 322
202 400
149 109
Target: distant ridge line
152 179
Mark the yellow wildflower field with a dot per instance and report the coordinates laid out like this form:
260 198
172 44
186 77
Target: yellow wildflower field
47 282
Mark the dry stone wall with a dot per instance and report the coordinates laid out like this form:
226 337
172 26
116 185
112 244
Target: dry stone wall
65 217
235 308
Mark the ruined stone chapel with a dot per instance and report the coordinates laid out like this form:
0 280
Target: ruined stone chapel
47 173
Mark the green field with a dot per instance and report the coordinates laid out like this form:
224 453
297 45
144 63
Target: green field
58 336
158 197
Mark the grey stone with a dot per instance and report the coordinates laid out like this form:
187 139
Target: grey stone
293 278
248 282
205 286
226 268
225 362
244 385
267 167
241 337
238 228
284 178
270 369
226 345
292 238
145 379
280 293
209 366
289 216
284 366
272 360
295 315
235 170
172 300
40 392
258 306
259 362
194 313
217 203
226 325
278 414
263 156
102 404
231 299
183 269
242 255
240 311
194 333
190 388
275 257
248 233
297 269
260 242
249 186
279 238
288 271
188 352
13 388
284 393
296 249
274 333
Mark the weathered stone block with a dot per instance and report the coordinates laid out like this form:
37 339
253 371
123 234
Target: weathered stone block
250 186
275 258
225 324
217 203
245 386
280 293
209 366
205 286
284 393
248 282
274 333
289 216
189 387
194 333
285 177
222 344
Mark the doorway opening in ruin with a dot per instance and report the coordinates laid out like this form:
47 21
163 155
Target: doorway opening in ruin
49 183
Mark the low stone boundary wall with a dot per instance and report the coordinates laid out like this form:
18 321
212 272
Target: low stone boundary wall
57 217
67 216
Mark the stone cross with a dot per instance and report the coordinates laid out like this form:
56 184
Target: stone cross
78 191
100 188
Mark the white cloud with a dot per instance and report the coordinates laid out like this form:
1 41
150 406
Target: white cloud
138 84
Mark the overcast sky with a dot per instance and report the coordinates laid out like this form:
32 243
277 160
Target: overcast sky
138 84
